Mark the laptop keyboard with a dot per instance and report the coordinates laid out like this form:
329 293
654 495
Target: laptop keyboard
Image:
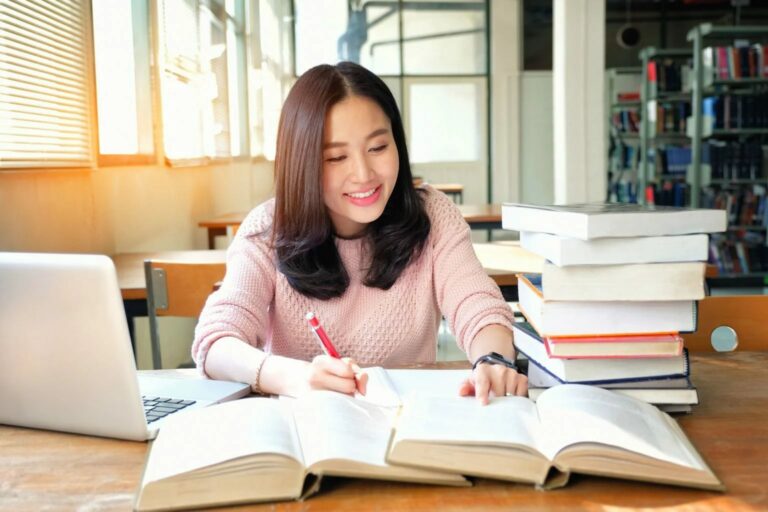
156 407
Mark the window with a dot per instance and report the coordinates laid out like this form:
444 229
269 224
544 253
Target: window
200 42
123 84
45 91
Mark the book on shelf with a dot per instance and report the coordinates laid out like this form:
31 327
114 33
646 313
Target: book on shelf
262 449
600 318
597 371
570 429
566 251
663 344
677 391
630 282
601 220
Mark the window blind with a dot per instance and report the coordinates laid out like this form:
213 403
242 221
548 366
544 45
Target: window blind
45 86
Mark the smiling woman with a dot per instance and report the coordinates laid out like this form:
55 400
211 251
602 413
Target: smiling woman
349 238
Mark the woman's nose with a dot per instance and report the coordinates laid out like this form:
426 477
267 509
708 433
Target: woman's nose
362 171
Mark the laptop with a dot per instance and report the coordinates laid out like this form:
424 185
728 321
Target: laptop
66 361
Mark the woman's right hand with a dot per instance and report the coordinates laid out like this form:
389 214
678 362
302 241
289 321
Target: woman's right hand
342 375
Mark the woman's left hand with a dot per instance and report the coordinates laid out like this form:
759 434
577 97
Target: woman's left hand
496 380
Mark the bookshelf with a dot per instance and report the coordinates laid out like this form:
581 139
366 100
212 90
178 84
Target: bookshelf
623 107
663 139
728 128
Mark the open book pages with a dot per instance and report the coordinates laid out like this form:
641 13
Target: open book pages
260 449
572 428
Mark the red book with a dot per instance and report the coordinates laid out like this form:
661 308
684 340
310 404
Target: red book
652 71
610 347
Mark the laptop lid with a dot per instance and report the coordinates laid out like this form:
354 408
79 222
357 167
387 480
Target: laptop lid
66 361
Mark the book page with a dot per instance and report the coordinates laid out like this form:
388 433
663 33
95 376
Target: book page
200 438
388 388
573 413
436 383
335 426
380 389
505 420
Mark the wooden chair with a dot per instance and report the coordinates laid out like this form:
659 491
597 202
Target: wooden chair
746 317
177 289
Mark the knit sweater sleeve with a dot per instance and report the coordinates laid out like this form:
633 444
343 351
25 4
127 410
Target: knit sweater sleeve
467 297
240 307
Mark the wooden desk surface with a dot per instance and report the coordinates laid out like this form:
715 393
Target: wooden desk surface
502 261
471 212
50 471
224 221
480 212
130 267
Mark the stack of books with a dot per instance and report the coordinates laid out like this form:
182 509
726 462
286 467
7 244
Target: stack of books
620 284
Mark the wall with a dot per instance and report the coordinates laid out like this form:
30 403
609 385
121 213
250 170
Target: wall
127 209
536 138
123 209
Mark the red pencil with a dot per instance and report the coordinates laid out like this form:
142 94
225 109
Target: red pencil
322 337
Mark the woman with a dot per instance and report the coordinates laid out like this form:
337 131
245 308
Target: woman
350 238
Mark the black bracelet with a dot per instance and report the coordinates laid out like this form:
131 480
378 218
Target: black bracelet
495 358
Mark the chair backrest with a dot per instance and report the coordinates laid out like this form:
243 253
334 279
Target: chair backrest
746 315
177 289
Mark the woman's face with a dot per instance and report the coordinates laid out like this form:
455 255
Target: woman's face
360 164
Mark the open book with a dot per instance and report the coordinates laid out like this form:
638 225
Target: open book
571 428
261 449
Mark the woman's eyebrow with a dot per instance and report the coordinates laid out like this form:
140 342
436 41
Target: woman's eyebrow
375 133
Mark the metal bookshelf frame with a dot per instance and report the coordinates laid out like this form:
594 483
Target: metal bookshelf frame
646 55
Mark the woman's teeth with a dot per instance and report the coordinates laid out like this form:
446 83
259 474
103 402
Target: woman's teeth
362 195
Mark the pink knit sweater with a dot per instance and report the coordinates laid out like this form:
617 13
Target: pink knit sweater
376 327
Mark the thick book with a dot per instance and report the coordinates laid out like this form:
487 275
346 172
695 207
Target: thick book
601 220
601 318
675 391
262 449
569 429
617 346
596 371
636 282
566 251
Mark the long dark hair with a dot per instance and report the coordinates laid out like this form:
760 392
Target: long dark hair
303 234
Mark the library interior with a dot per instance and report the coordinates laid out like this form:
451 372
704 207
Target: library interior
580 217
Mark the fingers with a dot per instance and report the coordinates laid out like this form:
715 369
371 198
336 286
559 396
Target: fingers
494 380
342 375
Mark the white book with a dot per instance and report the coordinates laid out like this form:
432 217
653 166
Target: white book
635 282
677 391
602 318
600 220
566 251
596 371
570 428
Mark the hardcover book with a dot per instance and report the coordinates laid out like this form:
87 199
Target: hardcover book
601 318
636 282
600 220
565 251
596 371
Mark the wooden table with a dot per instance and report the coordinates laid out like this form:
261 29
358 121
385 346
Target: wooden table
221 225
130 267
502 260
478 216
51 471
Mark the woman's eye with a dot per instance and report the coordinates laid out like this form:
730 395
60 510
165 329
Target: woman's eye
336 158
378 149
